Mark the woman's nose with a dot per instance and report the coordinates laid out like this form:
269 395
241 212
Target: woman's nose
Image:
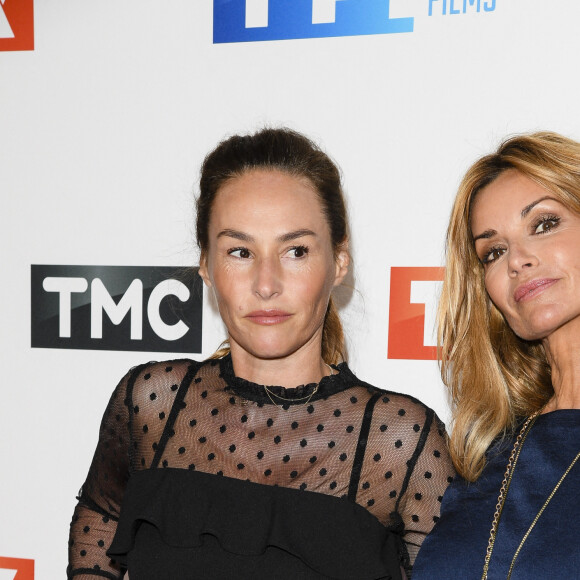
520 258
267 278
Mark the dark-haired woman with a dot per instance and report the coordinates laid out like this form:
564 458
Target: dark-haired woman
270 460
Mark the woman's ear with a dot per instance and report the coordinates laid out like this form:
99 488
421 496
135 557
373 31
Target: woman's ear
203 270
342 261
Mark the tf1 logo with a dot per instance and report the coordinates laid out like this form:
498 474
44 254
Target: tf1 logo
412 307
254 20
136 308
16 25
16 569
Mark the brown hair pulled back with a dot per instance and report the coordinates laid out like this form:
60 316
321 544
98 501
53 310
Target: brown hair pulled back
285 150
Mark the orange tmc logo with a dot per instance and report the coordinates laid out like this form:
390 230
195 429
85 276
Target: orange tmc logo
412 305
16 25
16 569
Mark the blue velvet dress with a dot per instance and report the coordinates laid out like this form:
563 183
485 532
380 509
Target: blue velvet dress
456 547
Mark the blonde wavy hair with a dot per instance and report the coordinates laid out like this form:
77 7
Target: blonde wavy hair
493 376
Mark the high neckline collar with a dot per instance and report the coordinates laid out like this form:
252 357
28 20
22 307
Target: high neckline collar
341 380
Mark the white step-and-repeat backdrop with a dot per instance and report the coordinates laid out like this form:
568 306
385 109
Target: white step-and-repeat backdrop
107 109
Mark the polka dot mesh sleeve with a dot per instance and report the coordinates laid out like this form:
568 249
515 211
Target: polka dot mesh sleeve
423 491
94 522
95 518
406 468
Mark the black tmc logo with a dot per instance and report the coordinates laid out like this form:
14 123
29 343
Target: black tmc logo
136 308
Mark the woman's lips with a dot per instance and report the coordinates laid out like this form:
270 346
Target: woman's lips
268 317
532 288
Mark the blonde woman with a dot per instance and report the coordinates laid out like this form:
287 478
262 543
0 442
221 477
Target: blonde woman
510 336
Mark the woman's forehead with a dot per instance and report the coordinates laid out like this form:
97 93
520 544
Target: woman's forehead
267 199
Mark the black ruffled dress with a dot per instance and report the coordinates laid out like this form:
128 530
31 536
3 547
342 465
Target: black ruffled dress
197 474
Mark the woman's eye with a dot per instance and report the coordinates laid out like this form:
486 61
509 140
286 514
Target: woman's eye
239 253
492 255
546 224
298 251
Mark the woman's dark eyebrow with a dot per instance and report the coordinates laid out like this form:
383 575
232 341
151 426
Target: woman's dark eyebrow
529 207
235 234
294 235
486 235
283 238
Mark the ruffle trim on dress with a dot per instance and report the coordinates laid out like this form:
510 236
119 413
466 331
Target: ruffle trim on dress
332 536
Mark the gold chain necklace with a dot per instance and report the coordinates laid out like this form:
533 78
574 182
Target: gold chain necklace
307 397
507 478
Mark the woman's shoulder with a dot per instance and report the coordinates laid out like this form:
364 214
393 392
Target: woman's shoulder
160 380
405 408
408 414
166 368
410 433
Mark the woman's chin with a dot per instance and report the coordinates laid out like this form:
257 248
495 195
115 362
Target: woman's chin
270 350
272 353
544 325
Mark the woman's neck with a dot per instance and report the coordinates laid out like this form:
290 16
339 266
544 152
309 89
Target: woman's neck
300 368
563 353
